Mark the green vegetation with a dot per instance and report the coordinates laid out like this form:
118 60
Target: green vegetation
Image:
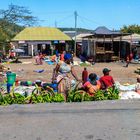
81 30
39 95
85 64
12 21
131 29
79 95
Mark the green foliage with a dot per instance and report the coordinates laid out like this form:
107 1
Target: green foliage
45 96
18 15
58 97
131 29
79 30
100 95
8 99
8 30
109 94
85 64
79 96
12 21
87 97
112 93
18 99
2 100
76 96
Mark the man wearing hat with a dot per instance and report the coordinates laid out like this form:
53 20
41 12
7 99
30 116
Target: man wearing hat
106 80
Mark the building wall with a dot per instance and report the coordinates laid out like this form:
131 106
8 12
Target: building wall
32 47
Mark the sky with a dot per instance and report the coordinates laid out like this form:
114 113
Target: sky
113 14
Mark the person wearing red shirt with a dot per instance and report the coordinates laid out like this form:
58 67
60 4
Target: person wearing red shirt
106 80
84 75
62 56
128 59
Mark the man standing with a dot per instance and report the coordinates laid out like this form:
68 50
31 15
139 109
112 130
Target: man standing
129 59
84 75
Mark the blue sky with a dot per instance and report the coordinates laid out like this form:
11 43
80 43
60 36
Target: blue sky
91 13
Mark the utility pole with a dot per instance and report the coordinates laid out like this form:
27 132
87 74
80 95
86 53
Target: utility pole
75 15
55 24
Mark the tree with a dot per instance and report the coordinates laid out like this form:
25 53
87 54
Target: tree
17 15
131 29
12 21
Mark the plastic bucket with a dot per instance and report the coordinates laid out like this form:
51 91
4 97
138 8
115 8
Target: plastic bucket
11 78
9 87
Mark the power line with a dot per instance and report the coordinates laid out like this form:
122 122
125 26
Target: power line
89 20
75 15
51 13
82 19
85 23
69 16
59 21
55 24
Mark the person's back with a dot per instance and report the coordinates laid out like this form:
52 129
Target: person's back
129 59
90 88
92 85
62 56
64 67
53 58
84 75
106 80
56 53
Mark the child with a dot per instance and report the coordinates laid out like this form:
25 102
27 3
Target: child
84 75
8 70
128 59
62 56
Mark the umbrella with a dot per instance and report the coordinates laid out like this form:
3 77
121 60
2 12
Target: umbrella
19 50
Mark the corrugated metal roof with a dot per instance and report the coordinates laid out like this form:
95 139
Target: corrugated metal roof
81 36
41 34
102 30
129 38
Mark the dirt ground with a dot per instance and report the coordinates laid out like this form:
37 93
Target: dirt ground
25 71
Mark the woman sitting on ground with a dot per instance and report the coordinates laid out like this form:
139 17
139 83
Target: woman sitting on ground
62 74
92 85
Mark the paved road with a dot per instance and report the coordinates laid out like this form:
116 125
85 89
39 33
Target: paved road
107 120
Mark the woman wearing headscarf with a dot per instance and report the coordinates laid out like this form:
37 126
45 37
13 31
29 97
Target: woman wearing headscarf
62 74
92 85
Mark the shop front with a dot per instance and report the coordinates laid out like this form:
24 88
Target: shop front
41 40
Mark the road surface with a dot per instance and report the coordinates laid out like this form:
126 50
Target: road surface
107 120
